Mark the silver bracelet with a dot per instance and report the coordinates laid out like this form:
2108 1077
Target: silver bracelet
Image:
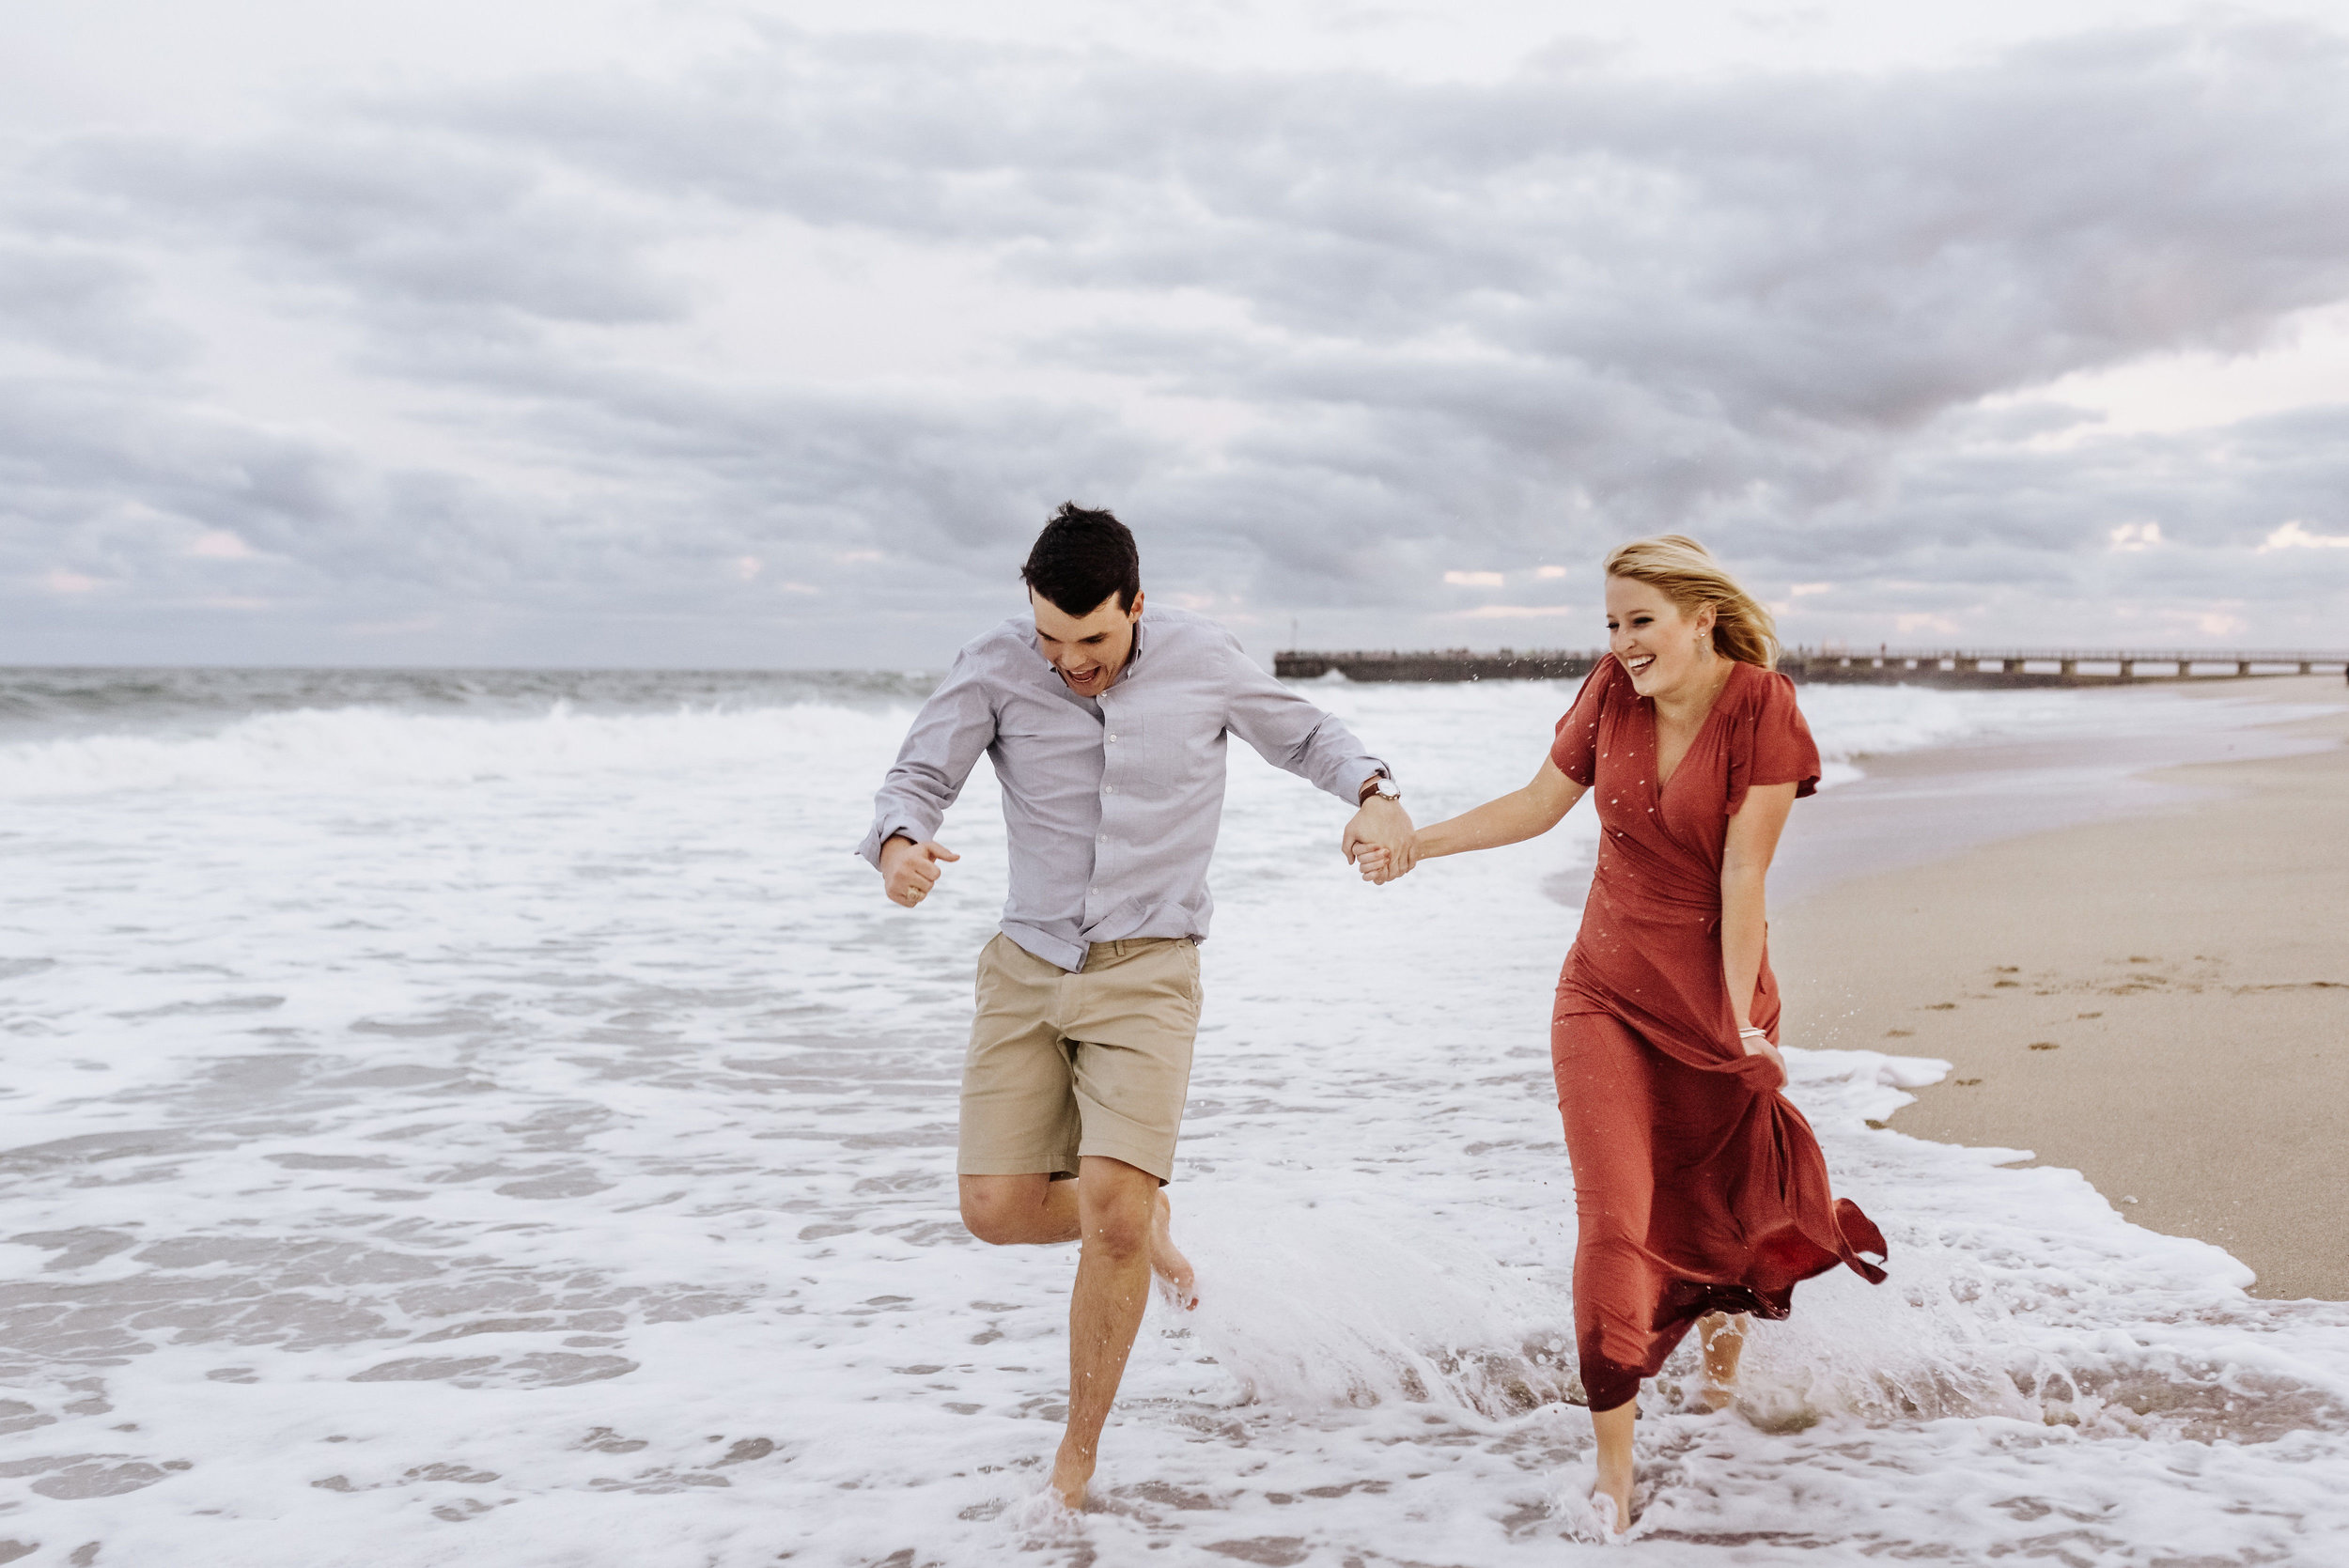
1753 1034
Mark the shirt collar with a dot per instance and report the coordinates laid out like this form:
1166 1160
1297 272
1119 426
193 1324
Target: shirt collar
1133 655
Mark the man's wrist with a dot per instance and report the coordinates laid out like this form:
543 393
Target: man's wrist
1379 787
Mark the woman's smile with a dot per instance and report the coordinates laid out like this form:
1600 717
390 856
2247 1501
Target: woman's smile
1665 647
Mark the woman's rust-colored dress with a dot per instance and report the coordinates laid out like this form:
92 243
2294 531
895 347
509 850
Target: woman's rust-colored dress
1698 1188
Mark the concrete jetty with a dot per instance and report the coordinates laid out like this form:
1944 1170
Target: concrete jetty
1885 666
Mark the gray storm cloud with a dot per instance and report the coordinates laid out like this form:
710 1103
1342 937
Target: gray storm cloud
1486 327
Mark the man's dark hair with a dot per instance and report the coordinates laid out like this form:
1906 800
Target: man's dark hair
1082 558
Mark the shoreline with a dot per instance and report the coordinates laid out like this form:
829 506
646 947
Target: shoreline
2138 977
1914 807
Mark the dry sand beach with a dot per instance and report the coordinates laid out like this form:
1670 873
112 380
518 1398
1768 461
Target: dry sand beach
2160 1002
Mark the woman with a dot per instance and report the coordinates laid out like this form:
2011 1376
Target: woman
1701 1192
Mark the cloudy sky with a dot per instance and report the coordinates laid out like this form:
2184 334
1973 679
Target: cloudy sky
614 332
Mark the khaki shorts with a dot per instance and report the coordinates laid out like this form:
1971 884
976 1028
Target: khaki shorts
1096 1062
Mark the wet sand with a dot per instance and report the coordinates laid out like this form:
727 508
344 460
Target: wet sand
2160 1002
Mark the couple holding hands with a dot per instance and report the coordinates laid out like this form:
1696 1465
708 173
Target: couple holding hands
1700 1193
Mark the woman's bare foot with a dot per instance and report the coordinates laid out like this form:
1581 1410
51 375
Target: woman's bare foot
1615 1493
1724 1345
1176 1275
1613 1429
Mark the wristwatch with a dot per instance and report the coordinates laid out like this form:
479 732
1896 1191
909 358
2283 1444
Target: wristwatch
1380 785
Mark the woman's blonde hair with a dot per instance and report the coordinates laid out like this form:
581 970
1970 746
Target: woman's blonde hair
1684 572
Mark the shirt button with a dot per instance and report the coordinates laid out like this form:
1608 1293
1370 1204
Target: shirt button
1113 737
1108 789
1101 838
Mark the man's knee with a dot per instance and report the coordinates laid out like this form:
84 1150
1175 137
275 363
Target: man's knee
1122 1232
987 1220
1118 1202
1000 1210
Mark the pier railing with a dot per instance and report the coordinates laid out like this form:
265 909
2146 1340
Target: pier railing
1883 666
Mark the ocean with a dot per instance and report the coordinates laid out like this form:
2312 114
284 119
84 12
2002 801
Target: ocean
492 1118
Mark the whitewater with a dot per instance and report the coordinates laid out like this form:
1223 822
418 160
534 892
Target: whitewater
495 1120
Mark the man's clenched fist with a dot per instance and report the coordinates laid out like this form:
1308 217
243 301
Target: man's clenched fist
910 870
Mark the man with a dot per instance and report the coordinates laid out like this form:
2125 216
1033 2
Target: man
1106 725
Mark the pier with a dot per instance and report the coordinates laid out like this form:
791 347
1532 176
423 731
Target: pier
1949 667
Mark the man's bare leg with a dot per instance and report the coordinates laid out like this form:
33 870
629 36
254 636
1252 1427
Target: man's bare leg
1117 1209
1122 1218
1724 1338
1614 1430
1167 1261
1010 1211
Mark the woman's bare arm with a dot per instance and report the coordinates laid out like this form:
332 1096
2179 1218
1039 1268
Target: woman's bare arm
1745 868
1520 815
1513 818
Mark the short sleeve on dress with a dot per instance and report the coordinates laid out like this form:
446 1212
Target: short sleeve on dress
1575 749
1773 745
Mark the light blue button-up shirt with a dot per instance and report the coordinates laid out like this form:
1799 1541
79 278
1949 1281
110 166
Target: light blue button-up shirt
1113 801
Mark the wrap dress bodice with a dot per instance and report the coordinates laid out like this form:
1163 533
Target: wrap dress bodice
1649 951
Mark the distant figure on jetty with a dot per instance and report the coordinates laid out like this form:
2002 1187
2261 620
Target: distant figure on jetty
1106 724
1700 1191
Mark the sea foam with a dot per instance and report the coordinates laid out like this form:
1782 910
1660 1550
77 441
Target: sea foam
525 1137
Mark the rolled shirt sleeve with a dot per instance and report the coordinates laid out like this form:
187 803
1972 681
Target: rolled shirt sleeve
1291 733
955 725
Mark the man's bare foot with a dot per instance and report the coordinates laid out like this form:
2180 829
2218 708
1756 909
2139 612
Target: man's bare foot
1071 1474
1175 1276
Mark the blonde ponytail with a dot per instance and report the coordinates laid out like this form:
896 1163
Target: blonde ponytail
1684 572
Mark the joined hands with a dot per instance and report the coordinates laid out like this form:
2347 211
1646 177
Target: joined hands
1380 842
